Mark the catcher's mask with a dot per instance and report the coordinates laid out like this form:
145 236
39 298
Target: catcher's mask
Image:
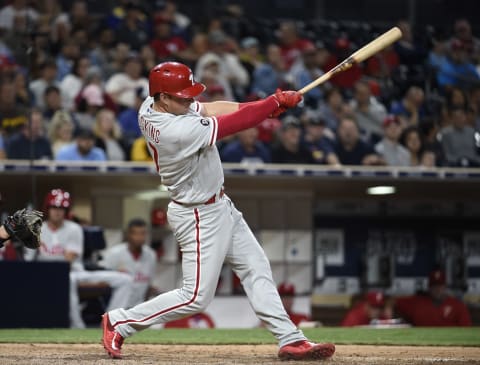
57 198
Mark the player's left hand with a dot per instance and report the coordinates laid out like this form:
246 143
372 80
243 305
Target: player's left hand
25 226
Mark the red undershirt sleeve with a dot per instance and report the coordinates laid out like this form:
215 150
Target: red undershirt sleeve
247 116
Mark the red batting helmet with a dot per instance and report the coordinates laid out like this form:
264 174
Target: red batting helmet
57 198
175 79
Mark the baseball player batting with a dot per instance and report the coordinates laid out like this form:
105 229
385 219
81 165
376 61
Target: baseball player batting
181 135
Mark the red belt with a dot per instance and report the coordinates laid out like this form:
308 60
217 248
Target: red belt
212 200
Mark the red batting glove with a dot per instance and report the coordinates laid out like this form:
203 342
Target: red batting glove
288 99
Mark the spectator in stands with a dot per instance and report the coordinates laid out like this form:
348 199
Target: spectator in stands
474 97
83 149
270 75
23 95
382 64
208 70
18 9
52 15
94 77
3 155
368 111
350 149
123 86
30 141
454 98
411 140
90 102
457 70
389 147
135 257
250 56
165 44
48 77
410 109
410 53
128 119
60 131
428 129
62 240
52 101
196 49
289 149
367 311
72 83
305 70
333 109
463 32
434 308
12 115
229 64
287 295
459 141
246 148
132 30
79 16
344 80
109 135
69 52
139 151
320 147
291 45
102 53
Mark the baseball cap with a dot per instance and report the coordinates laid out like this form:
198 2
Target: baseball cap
376 299
437 277
93 95
389 119
249 42
290 121
286 289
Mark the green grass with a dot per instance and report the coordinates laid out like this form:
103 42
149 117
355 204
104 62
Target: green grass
407 336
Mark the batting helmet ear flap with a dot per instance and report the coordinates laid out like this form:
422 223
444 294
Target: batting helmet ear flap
175 79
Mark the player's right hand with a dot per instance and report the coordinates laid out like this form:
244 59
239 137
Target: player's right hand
287 99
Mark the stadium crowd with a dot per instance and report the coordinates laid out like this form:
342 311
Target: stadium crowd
71 81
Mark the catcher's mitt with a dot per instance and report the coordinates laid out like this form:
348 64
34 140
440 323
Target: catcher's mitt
25 226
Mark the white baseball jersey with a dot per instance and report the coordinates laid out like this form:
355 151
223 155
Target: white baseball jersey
183 148
55 242
142 268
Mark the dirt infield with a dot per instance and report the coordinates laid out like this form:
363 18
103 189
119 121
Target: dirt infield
20 354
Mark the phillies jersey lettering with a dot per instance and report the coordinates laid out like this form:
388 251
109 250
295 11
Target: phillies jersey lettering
55 242
185 152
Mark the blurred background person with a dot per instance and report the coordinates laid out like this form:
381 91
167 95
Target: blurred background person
435 307
351 149
109 135
371 308
287 295
60 131
459 141
320 147
410 139
82 149
389 148
135 257
288 148
30 142
246 148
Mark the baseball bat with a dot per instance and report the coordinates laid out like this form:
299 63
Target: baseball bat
362 54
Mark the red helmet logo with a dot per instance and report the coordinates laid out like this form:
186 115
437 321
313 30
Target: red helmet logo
175 79
58 198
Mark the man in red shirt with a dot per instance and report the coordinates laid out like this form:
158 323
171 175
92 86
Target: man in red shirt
287 294
437 308
372 307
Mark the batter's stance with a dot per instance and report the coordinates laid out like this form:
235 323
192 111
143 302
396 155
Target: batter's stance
181 135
